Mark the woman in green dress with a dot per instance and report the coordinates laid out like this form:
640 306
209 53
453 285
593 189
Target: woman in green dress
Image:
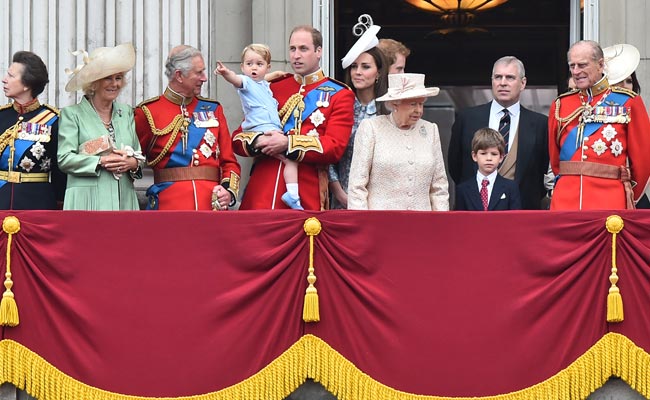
98 147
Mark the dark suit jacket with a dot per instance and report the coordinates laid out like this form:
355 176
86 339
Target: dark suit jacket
532 154
505 196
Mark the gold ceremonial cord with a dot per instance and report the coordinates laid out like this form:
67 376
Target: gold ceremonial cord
290 105
566 121
173 127
9 135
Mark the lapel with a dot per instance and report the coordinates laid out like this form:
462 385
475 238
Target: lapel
526 139
497 191
484 114
475 196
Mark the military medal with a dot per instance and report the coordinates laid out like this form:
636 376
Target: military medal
323 99
205 119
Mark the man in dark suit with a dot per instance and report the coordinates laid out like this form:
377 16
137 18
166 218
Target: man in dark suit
525 131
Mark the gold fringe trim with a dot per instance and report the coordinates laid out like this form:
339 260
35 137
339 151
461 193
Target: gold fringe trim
311 310
311 357
614 225
8 307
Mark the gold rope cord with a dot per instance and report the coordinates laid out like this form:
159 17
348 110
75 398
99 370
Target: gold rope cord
311 357
9 134
566 121
8 307
173 127
614 225
286 110
310 310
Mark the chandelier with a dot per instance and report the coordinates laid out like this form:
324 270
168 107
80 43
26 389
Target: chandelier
456 12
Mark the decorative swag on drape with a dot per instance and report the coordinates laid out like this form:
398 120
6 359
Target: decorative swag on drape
169 304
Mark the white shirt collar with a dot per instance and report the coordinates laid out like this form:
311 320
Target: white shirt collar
492 177
496 109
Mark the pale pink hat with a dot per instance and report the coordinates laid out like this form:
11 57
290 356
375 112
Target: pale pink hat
407 86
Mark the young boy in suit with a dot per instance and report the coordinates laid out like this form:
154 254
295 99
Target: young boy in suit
489 191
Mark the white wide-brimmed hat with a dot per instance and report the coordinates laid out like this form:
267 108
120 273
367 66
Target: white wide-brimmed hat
366 42
620 61
407 86
102 62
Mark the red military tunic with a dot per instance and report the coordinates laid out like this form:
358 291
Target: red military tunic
184 179
319 140
616 131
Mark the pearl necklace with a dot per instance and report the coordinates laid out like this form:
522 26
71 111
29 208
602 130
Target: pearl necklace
108 125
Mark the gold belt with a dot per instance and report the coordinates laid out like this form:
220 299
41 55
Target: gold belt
186 174
24 177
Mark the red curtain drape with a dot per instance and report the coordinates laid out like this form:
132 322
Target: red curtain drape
449 304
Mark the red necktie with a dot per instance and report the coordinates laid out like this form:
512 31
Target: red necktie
484 193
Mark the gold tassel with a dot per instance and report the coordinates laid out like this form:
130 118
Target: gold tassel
614 225
310 310
8 306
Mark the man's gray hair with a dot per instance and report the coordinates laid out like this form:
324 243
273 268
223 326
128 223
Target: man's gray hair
596 50
180 59
507 60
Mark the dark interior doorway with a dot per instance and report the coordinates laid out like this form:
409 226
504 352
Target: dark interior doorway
537 32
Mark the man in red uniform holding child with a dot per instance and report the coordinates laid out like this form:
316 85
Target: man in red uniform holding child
317 116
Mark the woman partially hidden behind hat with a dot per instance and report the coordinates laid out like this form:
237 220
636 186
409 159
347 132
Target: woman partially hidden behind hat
28 139
397 162
98 147
621 62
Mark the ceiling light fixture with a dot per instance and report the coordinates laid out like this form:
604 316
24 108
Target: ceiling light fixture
456 12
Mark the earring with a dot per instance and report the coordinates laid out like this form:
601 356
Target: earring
25 89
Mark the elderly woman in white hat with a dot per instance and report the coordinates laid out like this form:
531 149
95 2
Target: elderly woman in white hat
366 72
397 162
98 147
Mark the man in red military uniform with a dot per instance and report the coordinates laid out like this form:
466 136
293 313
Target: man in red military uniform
186 140
317 115
599 137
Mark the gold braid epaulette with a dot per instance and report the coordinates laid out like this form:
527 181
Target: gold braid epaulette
5 106
288 107
173 127
566 121
618 89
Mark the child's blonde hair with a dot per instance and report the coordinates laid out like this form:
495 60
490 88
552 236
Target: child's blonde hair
263 50
485 138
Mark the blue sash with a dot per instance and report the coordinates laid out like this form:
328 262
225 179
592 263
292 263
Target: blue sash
179 159
152 194
310 102
569 147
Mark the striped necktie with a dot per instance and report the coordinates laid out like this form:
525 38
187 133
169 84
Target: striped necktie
504 127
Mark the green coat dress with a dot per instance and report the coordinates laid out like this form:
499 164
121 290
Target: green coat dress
89 186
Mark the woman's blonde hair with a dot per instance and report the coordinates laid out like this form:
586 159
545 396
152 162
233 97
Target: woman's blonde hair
89 88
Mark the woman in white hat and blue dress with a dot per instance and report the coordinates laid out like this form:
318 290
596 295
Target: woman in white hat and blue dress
366 72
